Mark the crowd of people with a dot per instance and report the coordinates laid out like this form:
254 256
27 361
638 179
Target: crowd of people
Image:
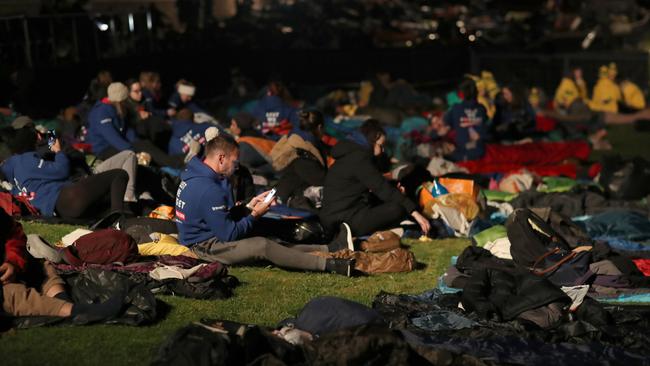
354 160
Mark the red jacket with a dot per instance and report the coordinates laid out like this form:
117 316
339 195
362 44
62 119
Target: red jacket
13 242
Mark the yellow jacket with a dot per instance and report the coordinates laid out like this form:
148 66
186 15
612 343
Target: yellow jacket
566 93
606 96
632 95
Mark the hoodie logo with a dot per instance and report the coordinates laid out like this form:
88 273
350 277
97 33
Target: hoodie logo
220 208
470 118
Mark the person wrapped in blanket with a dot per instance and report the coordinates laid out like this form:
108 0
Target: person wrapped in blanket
355 191
30 288
215 228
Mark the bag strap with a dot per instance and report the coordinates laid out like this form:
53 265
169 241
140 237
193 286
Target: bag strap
541 272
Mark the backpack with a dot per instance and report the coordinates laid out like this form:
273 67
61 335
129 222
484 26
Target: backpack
535 245
625 179
106 246
17 205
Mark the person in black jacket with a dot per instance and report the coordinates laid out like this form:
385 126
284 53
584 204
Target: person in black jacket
351 179
306 169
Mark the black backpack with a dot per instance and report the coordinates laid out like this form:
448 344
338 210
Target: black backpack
535 245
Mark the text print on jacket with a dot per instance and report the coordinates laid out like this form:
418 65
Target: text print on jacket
203 203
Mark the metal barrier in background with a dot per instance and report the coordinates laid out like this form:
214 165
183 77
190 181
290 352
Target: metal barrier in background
68 38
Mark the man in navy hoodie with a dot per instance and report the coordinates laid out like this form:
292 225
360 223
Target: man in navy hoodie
276 116
468 121
216 229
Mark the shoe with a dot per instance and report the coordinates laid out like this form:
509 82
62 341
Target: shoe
342 240
339 266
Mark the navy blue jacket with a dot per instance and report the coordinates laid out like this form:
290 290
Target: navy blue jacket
176 103
151 104
203 203
271 110
183 131
39 180
106 129
461 118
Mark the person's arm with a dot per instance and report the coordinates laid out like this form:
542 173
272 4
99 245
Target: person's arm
55 170
131 135
216 214
112 136
15 247
373 180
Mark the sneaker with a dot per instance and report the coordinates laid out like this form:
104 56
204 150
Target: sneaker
343 240
339 266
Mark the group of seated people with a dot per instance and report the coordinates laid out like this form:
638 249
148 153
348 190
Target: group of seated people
137 141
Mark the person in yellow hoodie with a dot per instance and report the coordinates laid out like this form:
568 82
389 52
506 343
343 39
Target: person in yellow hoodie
606 93
483 95
633 97
571 87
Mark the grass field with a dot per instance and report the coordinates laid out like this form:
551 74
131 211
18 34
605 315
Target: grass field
266 296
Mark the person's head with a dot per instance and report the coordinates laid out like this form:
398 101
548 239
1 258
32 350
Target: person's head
135 90
23 136
185 114
612 71
117 94
150 80
104 77
435 120
312 121
468 89
222 155
185 90
375 135
241 122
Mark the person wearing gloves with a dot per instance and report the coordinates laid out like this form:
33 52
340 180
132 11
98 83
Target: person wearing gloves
354 181
109 134
216 229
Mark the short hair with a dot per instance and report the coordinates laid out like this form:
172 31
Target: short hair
221 144
129 83
185 114
372 130
310 120
469 90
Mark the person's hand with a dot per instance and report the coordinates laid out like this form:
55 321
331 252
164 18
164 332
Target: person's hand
144 158
401 188
259 198
260 208
422 221
56 147
448 148
7 273
171 112
144 114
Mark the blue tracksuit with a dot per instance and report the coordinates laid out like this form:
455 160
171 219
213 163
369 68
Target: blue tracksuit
39 180
203 204
106 129
176 103
463 117
183 131
270 110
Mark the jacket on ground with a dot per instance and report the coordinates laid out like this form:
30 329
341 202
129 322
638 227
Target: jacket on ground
351 177
203 207
38 179
106 129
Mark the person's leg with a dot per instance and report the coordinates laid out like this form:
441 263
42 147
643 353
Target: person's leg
19 300
256 249
157 155
128 161
370 220
75 199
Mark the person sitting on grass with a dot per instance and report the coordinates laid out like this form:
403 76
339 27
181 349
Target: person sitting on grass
18 299
215 229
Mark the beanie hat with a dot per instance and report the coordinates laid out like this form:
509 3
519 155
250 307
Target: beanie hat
186 89
211 132
22 121
117 92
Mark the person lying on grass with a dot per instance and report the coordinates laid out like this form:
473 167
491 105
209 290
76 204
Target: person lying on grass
19 298
216 229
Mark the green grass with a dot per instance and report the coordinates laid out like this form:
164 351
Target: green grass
266 296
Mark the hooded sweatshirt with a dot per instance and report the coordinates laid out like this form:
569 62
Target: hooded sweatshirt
183 132
464 118
176 103
106 129
38 179
276 116
203 207
353 175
